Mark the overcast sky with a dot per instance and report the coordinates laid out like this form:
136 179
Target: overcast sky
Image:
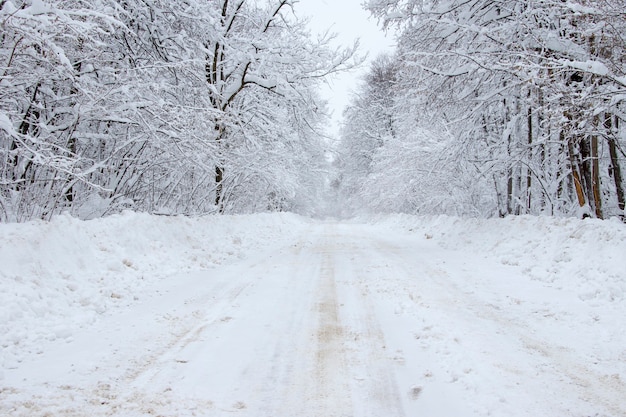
350 22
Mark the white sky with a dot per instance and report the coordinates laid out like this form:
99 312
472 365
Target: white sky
349 21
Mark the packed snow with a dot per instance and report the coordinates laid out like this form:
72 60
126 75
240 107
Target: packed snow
280 315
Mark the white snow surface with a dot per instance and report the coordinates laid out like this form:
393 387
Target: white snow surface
279 315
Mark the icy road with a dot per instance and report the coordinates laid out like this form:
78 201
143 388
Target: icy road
342 321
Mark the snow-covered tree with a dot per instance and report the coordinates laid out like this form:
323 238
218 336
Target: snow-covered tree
531 90
368 125
262 69
179 107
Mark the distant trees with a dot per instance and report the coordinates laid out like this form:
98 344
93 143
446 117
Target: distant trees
178 107
368 124
526 99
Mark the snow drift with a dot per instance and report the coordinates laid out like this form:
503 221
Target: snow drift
63 274
584 255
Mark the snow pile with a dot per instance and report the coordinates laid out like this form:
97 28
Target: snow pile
62 275
583 255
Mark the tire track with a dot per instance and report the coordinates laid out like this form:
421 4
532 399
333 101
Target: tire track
332 390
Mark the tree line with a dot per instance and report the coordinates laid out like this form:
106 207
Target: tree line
491 108
187 106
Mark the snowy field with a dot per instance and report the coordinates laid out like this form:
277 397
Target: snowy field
278 315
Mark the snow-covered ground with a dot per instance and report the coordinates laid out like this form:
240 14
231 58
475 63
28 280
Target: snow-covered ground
278 315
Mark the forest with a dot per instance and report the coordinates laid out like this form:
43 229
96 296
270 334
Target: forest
492 108
168 107
486 108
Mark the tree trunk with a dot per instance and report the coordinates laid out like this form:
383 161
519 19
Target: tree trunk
219 177
509 192
27 126
71 142
580 193
615 169
219 170
530 160
595 177
71 147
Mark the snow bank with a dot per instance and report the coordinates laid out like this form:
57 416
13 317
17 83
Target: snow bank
586 256
61 275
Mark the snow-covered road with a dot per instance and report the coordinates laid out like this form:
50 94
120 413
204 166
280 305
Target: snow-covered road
344 320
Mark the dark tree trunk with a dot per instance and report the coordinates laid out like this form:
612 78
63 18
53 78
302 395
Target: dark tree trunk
615 169
509 193
530 152
595 177
574 166
219 178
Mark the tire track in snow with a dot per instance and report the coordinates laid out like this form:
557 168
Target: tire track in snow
316 382
375 385
340 367
192 330
351 356
332 390
126 393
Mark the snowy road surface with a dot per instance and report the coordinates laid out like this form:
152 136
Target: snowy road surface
342 321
